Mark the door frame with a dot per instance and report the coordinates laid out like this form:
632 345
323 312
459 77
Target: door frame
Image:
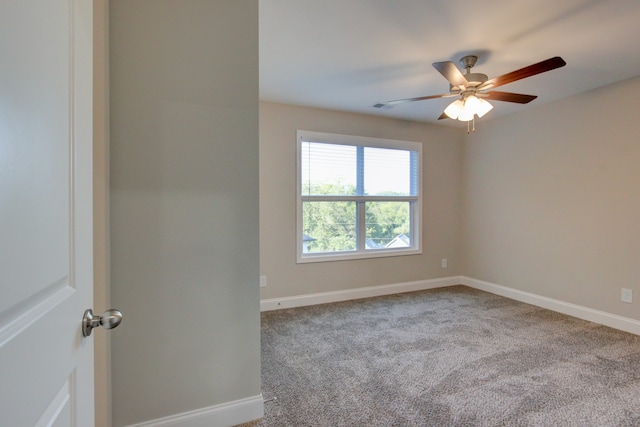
101 247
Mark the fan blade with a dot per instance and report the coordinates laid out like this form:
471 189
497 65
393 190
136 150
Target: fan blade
451 73
443 116
531 70
390 104
508 97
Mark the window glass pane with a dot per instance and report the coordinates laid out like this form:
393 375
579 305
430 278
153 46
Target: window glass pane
358 197
328 226
389 172
388 225
328 169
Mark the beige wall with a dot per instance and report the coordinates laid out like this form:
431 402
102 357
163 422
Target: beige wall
441 174
544 201
551 200
184 205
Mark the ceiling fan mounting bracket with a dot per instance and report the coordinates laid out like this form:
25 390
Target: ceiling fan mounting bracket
468 62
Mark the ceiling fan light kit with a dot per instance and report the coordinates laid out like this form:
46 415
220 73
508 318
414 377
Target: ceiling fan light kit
473 88
465 109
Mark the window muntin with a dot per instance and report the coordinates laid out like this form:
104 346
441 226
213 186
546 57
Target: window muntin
357 197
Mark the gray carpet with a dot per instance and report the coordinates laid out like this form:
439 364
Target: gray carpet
445 357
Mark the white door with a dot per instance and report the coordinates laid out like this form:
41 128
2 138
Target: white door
46 366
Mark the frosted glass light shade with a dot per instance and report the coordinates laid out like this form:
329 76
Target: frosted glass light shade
483 107
472 103
454 109
466 115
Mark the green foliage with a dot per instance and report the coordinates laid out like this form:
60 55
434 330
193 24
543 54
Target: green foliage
335 189
386 220
332 225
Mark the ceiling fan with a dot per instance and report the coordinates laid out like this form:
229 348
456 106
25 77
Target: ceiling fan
473 89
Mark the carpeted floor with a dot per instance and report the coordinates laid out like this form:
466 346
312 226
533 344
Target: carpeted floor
445 357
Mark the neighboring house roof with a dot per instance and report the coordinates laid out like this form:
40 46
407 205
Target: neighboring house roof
371 244
400 241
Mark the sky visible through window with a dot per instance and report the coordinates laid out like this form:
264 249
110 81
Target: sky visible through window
386 171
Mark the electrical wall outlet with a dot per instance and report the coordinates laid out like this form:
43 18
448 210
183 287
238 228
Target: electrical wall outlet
263 281
444 263
626 295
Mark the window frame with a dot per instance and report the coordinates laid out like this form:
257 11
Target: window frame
361 252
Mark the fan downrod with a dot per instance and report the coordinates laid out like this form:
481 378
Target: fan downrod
474 79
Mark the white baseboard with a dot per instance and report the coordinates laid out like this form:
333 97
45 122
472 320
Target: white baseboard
252 408
351 294
223 415
595 316
612 320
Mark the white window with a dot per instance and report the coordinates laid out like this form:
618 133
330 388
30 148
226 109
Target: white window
357 197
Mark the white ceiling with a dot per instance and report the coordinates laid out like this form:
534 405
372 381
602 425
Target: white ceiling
351 54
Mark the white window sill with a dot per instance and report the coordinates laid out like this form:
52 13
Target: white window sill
352 255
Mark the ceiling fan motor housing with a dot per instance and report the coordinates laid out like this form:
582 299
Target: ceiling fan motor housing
474 79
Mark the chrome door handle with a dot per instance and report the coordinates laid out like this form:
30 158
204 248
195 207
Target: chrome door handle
108 320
